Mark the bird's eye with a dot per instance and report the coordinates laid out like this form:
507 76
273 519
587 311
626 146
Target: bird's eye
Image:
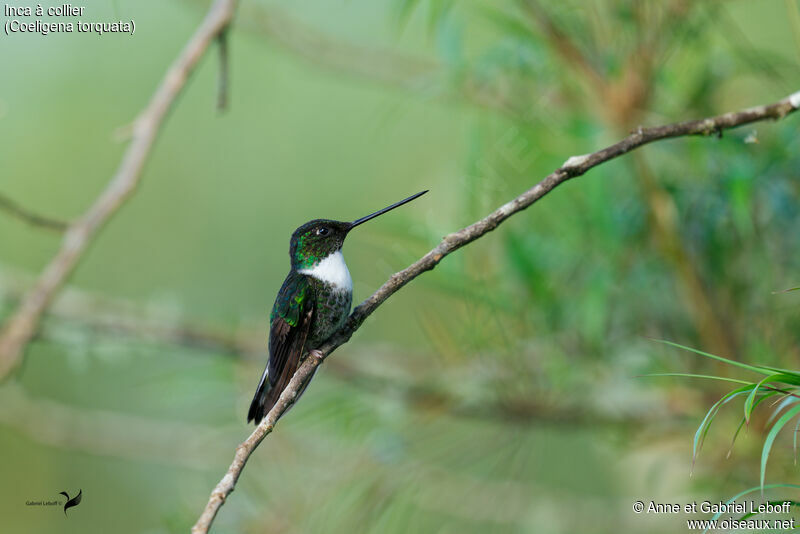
322 230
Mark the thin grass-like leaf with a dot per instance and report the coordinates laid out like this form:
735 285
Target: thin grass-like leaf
744 420
787 401
693 375
794 446
705 425
735 435
794 374
779 424
786 290
787 375
748 402
702 430
753 368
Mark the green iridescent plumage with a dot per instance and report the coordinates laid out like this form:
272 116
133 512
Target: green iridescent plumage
308 248
299 293
291 297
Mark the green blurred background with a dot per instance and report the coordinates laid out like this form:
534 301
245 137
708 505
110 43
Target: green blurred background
498 393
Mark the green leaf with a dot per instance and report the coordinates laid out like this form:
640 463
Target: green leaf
786 290
773 433
778 377
753 368
788 401
702 430
744 420
794 445
693 375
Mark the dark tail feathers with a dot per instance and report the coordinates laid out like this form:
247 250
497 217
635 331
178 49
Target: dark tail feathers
266 397
258 407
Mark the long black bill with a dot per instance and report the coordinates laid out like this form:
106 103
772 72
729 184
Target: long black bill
384 210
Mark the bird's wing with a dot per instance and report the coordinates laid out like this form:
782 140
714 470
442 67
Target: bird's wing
289 327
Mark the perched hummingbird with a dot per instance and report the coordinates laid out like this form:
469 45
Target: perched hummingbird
313 302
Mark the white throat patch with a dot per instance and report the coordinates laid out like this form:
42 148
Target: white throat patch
332 270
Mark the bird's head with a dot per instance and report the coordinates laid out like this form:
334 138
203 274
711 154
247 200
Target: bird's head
316 240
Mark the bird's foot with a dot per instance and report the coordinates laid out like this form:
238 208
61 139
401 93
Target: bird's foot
317 354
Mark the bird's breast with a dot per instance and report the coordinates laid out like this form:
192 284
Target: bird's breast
332 271
332 309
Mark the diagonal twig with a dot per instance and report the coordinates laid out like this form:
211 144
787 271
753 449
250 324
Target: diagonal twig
34 219
22 325
573 167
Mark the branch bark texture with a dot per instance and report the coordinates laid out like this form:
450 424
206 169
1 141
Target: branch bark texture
573 167
22 326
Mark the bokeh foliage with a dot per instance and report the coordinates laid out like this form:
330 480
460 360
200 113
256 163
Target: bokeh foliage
494 394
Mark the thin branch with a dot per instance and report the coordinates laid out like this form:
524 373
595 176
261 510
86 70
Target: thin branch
34 219
21 327
573 167
222 87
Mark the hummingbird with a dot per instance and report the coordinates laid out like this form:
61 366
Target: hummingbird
313 302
